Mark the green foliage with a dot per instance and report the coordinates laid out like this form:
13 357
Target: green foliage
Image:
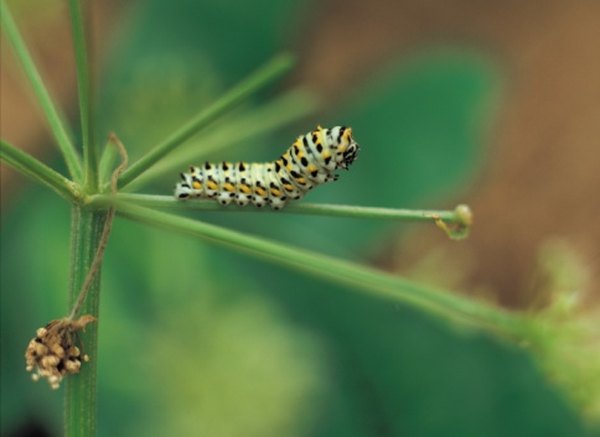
196 339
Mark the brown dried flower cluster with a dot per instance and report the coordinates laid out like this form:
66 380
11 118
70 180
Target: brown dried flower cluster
54 352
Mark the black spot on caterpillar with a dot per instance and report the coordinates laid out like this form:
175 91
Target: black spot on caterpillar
311 160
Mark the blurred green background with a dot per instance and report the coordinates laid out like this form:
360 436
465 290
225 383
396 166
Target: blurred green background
198 340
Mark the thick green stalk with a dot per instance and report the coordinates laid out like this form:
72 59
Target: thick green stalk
358 277
80 393
52 115
260 78
38 171
84 85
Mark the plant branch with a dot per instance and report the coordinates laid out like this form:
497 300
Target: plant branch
53 118
245 127
358 277
457 217
84 85
40 172
265 75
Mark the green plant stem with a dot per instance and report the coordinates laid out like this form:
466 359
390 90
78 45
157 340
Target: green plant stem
80 393
356 276
365 212
84 85
265 75
53 118
106 163
244 128
38 171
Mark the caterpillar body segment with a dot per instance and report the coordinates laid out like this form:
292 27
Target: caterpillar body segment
311 160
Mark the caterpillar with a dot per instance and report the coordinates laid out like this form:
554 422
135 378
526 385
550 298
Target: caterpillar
311 160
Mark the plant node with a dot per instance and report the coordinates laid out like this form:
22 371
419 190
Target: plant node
460 226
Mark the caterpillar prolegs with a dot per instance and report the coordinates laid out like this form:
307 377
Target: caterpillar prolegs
311 160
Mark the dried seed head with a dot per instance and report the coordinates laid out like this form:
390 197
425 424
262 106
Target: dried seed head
72 366
55 351
49 361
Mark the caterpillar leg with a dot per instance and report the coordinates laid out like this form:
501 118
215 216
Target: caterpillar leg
260 195
277 198
184 189
242 184
227 189
211 175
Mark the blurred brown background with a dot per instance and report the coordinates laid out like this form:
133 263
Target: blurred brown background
543 175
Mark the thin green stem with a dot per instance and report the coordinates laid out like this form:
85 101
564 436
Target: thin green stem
265 75
243 129
38 171
364 212
106 164
84 85
358 277
53 118
80 393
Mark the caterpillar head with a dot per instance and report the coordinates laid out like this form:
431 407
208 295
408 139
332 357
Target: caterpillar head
349 149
